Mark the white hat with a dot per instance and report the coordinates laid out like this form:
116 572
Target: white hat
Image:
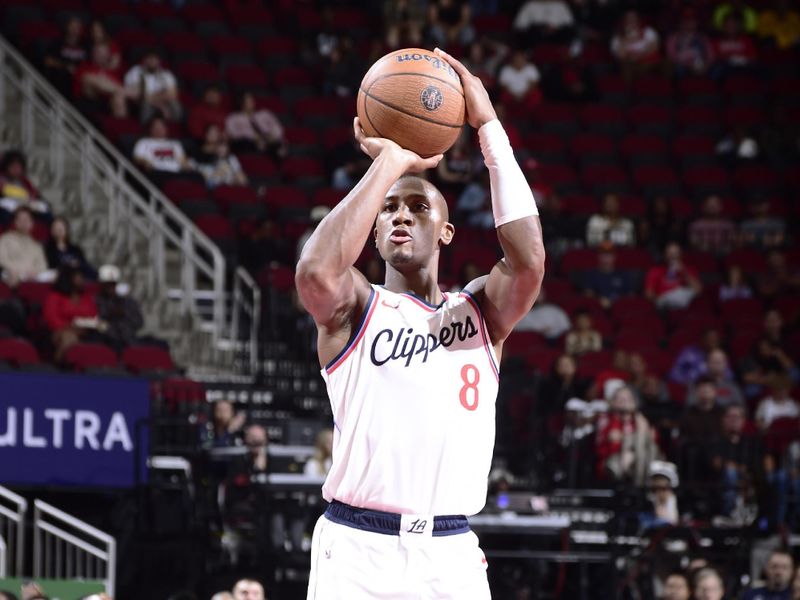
576 405
109 274
319 212
664 469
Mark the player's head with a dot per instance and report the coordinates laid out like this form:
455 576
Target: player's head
412 225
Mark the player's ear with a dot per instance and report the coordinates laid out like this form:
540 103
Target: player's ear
375 235
446 236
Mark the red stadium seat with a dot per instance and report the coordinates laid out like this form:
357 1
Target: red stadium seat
499 23
694 148
545 145
629 306
215 227
704 180
656 178
653 325
584 206
337 137
184 43
652 87
258 166
150 10
592 144
633 339
197 72
738 86
780 434
658 361
651 118
179 190
224 45
287 196
689 87
33 293
145 359
298 169
82 357
249 14
115 128
18 352
757 179
740 309
605 178
578 259
317 110
591 363
202 13
702 262
640 148
560 176
243 78
542 359
522 343
634 259
749 260
227 195
329 197
698 119
745 116
605 118
292 76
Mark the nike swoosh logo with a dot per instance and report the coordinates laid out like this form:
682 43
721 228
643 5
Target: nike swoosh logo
390 305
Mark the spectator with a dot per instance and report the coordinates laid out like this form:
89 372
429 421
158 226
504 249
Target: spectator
223 596
257 458
609 379
676 587
545 318
154 88
449 22
778 585
519 82
69 311
16 189
317 214
649 389
327 37
689 50
561 384
484 58
343 71
702 419
460 166
21 257
635 46
319 464
773 327
781 23
225 426
121 314
216 163
662 482
746 14
60 249
734 287
673 284
712 232
403 22
209 111
718 369
779 404
570 79
779 277
691 361
738 147
63 57
264 245
737 454
255 130
783 475
348 166
157 152
708 585
734 49
796 585
609 226
96 81
763 230
583 338
606 283
248 589
539 20
767 361
660 226
566 230
625 444
98 35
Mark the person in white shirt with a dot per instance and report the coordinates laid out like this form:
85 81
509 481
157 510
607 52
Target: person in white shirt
779 405
21 256
546 318
157 152
154 88
547 15
320 463
608 226
519 81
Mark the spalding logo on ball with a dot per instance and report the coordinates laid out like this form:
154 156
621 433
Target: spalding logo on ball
415 99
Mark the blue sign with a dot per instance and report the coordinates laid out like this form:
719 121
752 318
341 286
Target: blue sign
72 430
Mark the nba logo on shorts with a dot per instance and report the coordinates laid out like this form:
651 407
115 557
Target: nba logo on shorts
431 98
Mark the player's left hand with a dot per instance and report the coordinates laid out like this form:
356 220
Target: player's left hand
479 106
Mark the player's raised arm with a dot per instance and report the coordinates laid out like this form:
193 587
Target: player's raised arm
513 284
330 289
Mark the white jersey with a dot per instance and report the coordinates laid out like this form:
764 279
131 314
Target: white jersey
413 396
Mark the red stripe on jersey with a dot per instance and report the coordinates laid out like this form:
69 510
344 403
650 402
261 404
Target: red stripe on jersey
358 336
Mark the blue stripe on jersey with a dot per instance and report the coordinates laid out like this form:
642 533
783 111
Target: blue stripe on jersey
356 331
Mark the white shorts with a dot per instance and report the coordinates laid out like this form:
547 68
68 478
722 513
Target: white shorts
353 564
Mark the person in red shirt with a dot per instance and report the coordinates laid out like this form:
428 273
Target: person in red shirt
97 80
208 112
734 49
673 284
69 310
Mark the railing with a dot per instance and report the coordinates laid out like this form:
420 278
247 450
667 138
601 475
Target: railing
67 548
13 509
136 210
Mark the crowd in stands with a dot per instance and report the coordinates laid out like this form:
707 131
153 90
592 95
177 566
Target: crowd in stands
661 140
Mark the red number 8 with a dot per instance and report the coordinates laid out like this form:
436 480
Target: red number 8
471 377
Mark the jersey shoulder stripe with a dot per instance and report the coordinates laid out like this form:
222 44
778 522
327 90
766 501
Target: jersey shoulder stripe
357 334
486 342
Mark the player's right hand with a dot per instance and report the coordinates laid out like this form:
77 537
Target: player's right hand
407 161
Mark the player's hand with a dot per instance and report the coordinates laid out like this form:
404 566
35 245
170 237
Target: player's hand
408 161
479 106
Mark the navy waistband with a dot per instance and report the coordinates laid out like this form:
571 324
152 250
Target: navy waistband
388 523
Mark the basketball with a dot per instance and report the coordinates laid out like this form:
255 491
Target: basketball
413 98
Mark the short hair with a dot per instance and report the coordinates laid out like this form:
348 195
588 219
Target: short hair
63 283
19 210
782 552
12 156
705 573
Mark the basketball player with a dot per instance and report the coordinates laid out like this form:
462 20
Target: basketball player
412 371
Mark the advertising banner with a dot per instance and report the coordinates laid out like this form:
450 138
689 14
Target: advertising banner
72 430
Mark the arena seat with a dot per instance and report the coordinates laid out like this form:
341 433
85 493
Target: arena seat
246 78
89 357
147 359
18 352
640 149
33 293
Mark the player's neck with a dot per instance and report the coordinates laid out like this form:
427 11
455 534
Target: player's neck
422 283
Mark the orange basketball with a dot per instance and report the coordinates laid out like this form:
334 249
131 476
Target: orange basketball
414 98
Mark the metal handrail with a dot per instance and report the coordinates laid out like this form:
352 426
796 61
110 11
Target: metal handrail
16 516
101 545
2 558
151 215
